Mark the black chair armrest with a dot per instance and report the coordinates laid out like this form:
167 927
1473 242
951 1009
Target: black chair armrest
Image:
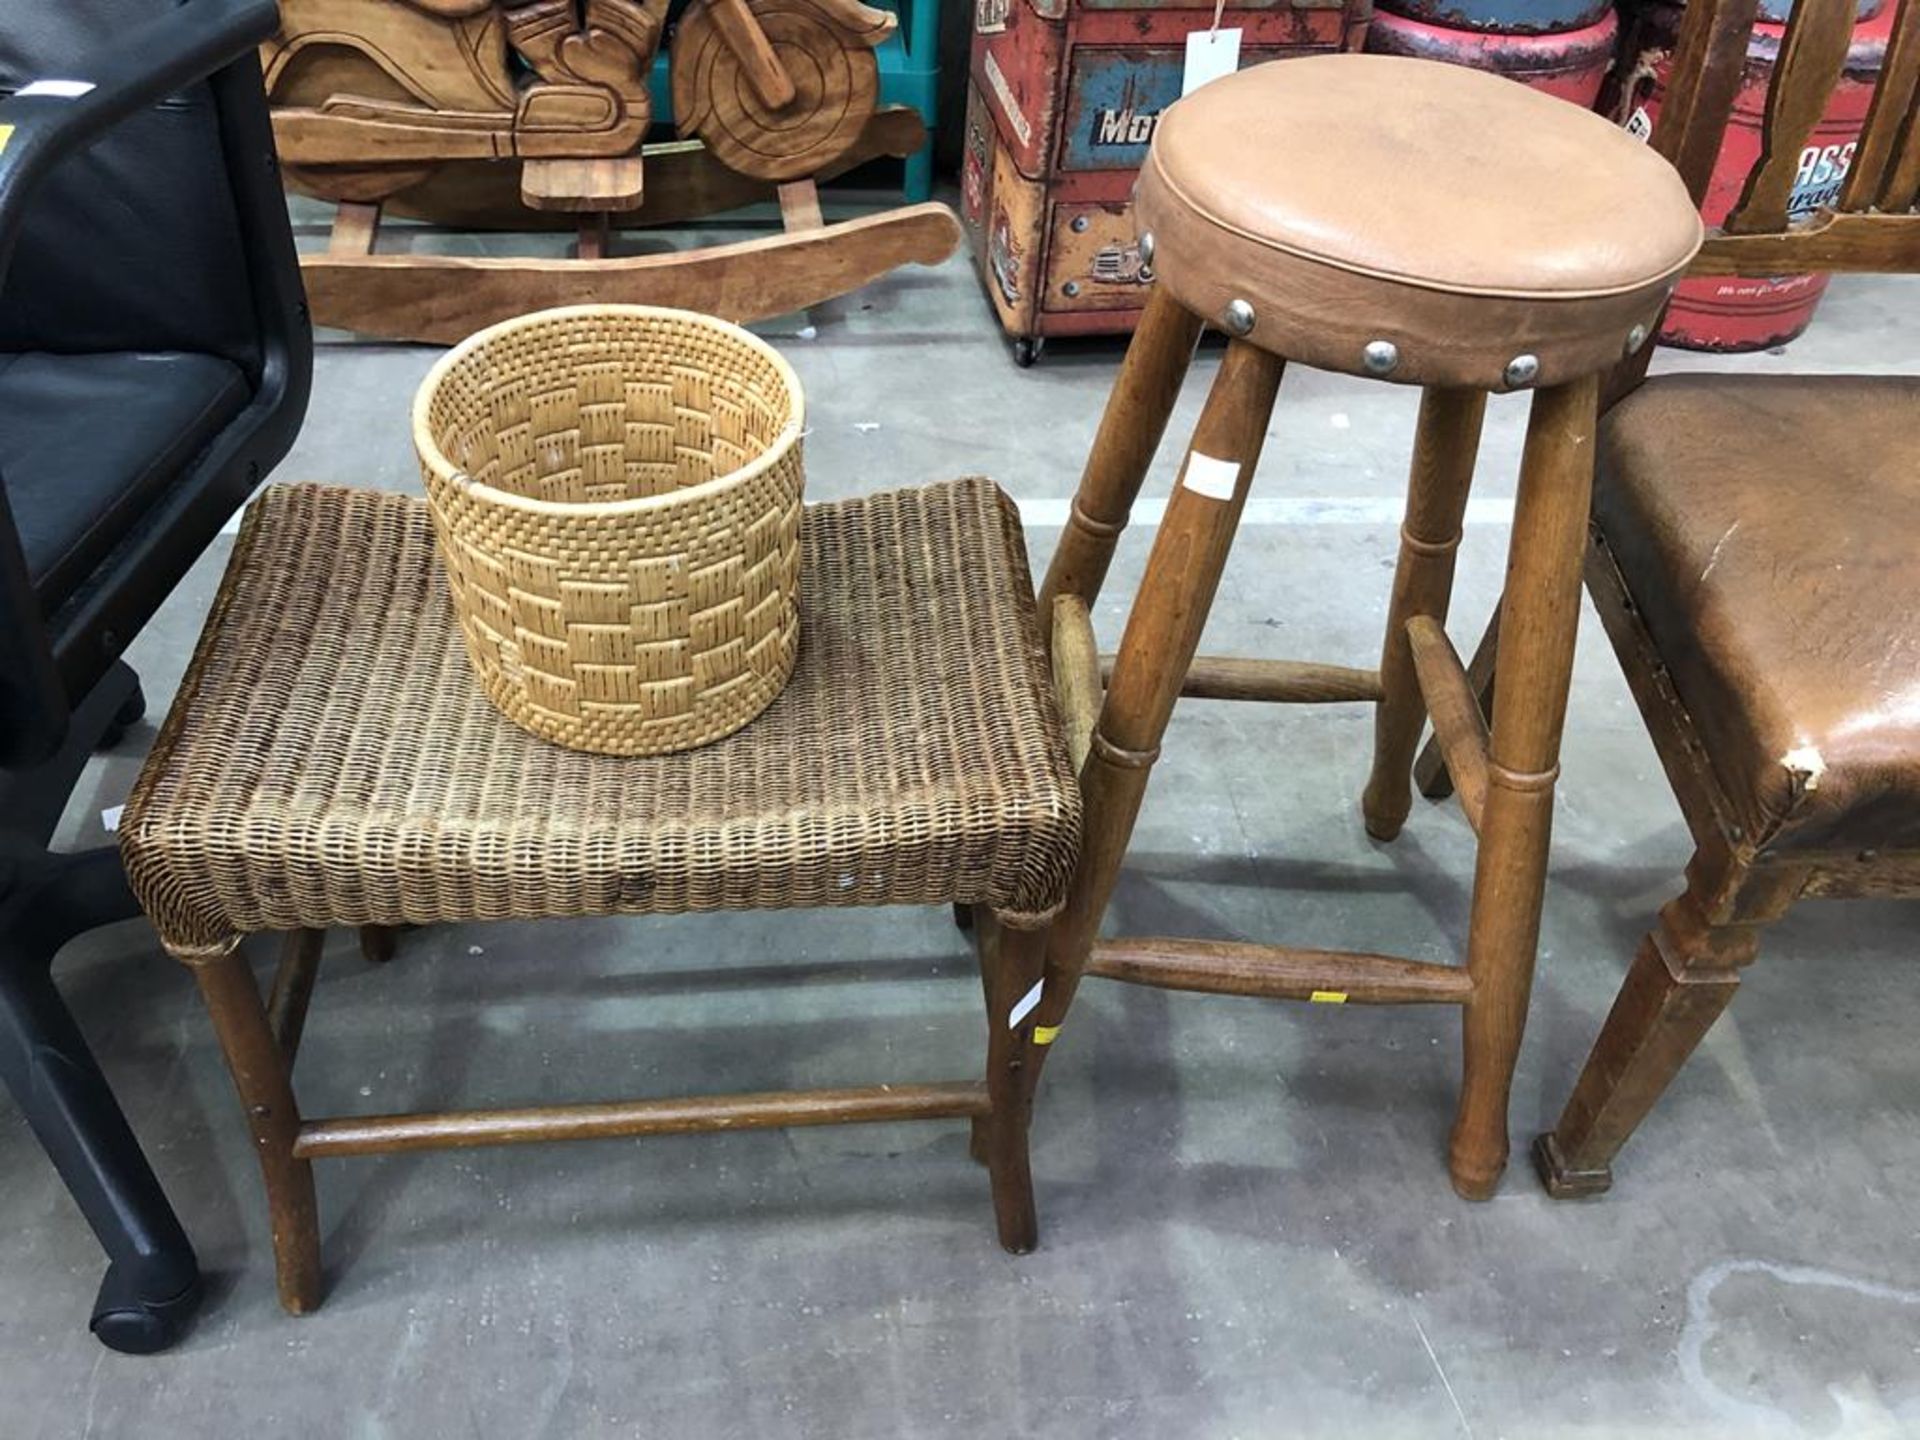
141 68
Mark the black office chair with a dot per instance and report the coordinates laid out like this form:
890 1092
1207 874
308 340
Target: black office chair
154 365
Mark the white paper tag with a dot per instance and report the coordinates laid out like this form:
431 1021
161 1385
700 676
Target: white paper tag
1213 478
1639 124
65 89
110 818
1023 1007
1210 54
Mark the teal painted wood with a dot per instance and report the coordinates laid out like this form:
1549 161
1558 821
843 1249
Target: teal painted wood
1504 17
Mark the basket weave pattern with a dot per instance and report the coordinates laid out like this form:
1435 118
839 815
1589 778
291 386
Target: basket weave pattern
328 761
645 601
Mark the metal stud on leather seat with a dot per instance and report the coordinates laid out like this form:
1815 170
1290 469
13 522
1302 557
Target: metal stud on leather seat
1448 229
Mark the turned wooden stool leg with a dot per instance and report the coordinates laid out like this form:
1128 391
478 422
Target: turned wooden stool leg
1163 631
1130 430
1444 447
1683 976
260 1074
1537 632
1011 962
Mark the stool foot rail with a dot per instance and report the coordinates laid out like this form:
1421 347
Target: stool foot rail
1278 972
1459 727
1279 682
778 1109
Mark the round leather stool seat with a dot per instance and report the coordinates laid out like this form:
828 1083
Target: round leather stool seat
1414 221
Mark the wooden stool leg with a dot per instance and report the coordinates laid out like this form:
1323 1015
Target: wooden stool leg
260 1074
1683 976
1130 430
1444 447
1541 618
1163 631
1011 962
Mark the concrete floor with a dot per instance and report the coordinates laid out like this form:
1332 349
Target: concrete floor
1247 1226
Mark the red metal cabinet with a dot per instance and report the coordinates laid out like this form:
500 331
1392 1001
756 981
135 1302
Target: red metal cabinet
1061 105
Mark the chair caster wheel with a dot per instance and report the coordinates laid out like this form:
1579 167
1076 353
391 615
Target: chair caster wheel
963 916
135 1325
131 712
1027 349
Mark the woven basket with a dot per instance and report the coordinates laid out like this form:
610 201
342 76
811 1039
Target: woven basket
616 495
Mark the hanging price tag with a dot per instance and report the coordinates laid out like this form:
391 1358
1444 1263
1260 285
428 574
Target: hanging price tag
1210 54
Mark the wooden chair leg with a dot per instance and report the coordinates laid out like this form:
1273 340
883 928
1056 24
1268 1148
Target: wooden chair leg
1011 962
377 942
1430 770
1683 975
1130 430
261 1075
1542 616
1445 443
1163 631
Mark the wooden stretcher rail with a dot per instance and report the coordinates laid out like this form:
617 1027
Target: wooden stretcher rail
1276 972
1830 241
385 1134
1283 682
1458 726
293 989
1076 674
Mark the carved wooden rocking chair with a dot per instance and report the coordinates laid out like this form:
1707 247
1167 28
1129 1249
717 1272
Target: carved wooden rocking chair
523 114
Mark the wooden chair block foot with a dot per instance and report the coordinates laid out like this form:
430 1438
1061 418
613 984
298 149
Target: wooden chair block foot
1562 1181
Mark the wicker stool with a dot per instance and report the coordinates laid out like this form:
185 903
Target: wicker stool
1444 228
330 761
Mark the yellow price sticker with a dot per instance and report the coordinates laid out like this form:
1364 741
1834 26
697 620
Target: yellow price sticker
6 134
1329 997
1044 1034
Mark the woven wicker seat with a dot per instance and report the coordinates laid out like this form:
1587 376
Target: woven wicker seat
330 760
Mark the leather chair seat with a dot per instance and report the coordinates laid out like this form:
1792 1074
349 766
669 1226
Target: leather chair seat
87 440
1766 528
1462 218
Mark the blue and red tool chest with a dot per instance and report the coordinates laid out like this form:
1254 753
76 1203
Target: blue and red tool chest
1062 101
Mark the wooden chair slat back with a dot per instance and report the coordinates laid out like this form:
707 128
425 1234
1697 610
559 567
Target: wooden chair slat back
1870 225
1709 60
1888 150
1812 56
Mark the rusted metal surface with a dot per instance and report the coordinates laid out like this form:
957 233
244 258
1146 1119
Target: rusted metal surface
1062 104
1730 314
1570 65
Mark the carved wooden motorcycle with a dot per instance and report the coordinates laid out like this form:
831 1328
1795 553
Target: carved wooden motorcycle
438 108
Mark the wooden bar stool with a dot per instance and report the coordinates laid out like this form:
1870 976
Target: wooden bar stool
1448 229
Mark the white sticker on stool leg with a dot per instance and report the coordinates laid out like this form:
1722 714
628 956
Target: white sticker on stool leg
65 89
1213 478
1023 1007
